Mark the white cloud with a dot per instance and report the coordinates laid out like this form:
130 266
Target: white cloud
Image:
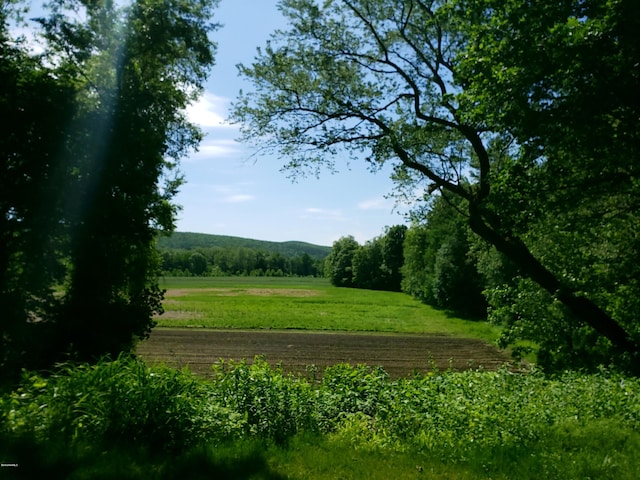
238 198
232 193
210 111
217 148
375 204
322 214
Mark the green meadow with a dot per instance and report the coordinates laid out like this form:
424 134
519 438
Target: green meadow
124 419
304 304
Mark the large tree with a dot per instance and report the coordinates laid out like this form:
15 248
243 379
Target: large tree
32 187
484 100
562 78
440 267
376 265
113 83
339 263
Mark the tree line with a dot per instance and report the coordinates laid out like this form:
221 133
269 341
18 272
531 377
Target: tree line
376 265
238 261
446 266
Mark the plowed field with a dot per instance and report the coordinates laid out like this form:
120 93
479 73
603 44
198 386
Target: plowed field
399 355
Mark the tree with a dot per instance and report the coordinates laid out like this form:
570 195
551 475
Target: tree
576 107
377 264
440 264
393 256
126 76
339 262
197 263
410 82
32 186
305 266
368 266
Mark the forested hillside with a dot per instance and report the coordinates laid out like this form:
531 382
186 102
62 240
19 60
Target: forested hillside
186 253
189 241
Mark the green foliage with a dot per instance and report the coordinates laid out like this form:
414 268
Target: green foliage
496 424
571 191
440 266
89 166
339 263
526 113
122 402
225 256
368 267
354 390
191 241
275 406
376 265
32 193
144 62
237 261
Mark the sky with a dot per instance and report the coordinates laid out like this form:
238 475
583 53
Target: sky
231 191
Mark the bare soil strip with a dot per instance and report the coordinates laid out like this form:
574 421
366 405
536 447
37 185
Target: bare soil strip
234 292
399 355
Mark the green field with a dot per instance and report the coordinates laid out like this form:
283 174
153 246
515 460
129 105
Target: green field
125 419
304 304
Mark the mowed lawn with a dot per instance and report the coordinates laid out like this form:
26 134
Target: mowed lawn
304 304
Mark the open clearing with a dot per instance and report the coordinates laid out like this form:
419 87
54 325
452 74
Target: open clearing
300 322
399 355
308 304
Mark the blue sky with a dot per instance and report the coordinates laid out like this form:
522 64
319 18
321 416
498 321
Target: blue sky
231 192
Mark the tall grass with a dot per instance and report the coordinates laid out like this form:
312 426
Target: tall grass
83 419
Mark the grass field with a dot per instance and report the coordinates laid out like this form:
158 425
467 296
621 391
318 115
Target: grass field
304 304
125 418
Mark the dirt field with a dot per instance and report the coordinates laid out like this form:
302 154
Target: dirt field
399 355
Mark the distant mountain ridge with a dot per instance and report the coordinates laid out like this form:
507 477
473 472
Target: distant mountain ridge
190 241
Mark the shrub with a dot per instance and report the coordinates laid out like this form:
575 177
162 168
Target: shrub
115 402
489 418
274 405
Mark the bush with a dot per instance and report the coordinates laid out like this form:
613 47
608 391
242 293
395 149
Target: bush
492 421
274 405
118 402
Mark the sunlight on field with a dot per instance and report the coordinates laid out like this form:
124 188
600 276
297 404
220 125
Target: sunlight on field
304 304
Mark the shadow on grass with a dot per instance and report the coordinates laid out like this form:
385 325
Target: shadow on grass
462 315
24 458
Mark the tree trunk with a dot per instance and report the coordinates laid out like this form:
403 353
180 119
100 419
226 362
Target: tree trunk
582 308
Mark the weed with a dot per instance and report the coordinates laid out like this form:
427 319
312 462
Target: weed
467 425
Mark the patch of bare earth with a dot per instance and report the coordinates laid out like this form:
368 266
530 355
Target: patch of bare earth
399 355
232 292
171 314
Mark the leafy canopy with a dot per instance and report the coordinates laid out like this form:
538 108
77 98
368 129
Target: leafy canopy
503 104
101 127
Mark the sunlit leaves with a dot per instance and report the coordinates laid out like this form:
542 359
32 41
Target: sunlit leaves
99 127
449 415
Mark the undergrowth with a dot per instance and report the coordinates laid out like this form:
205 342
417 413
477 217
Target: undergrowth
82 421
